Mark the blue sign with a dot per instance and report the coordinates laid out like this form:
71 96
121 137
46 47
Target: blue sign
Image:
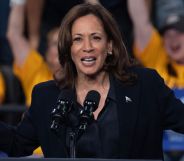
173 140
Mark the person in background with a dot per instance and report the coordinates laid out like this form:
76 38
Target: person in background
135 103
11 91
163 8
34 14
29 66
2 88
162 50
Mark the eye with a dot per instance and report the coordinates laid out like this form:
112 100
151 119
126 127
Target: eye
97 38
77 39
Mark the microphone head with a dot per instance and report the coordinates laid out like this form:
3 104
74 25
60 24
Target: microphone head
93 96
63 106
90 104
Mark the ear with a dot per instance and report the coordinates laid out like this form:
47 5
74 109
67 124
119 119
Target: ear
109 46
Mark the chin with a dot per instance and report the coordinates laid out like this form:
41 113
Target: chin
176 56
178 60
91 74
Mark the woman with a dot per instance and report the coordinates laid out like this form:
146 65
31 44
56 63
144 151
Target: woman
135 104
96 51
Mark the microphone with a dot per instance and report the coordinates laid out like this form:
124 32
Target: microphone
59 114
90 104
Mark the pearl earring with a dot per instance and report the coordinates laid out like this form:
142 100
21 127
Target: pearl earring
109 53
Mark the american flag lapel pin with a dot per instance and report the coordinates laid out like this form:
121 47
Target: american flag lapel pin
128 99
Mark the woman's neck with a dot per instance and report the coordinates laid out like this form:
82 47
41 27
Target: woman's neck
90 82
84 84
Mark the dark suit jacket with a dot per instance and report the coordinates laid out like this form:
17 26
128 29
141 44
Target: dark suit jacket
141 121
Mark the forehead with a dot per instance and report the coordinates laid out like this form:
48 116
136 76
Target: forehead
172 31
89 21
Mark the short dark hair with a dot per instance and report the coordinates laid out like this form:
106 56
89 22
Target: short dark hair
117 63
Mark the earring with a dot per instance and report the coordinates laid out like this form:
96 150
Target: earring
109 53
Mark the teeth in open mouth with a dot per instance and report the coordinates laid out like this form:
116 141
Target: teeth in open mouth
88 59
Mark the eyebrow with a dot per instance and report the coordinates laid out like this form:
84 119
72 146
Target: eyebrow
79 34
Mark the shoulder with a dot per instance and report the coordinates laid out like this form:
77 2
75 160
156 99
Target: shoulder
147 77
148 73
151 85
51 84
44 95
150 80
46 87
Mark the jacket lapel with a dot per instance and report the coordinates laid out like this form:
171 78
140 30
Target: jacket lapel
128 106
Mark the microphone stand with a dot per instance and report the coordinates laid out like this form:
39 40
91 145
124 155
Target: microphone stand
72 144
73 137
86 116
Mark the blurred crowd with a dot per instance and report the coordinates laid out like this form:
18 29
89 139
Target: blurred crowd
152 30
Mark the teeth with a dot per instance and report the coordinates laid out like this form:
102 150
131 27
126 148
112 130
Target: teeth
88 59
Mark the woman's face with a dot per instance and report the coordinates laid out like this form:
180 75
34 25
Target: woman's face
89 45
174 44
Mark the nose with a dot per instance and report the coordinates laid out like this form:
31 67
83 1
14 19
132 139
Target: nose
87 46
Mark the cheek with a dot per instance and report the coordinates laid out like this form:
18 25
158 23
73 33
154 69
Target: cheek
52 56
103 55
166 46
103 52
73 56
53 51
182 40
75 52
167 43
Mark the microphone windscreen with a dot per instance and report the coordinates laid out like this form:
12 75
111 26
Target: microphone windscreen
93 96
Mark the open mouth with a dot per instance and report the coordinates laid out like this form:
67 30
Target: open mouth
176 48
88 61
